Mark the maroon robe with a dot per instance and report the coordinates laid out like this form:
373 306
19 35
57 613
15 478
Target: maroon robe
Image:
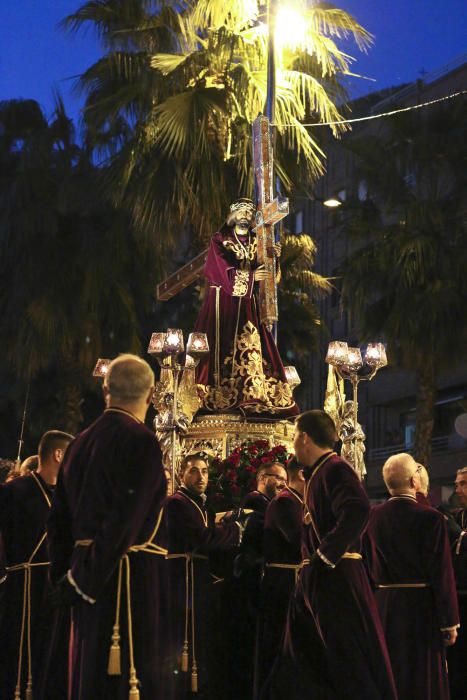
243 369
406 542
457 654
193 539
282 540
334 643
24 508
109 496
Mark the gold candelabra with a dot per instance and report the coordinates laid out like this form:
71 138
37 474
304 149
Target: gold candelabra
349 364
176 396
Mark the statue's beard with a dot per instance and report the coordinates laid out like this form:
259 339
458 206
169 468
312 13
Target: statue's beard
243 224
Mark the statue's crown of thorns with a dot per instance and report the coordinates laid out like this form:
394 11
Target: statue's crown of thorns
243 203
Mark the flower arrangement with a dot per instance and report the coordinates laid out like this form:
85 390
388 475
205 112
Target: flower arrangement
232 478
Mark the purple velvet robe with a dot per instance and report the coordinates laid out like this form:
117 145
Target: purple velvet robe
334 643
24 508
457 654
110 490
282 540
407 542
192 531
244 363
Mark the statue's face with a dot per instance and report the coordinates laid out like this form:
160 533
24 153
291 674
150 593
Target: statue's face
243 218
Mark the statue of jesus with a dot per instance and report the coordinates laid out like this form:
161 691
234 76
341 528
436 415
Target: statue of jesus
243 372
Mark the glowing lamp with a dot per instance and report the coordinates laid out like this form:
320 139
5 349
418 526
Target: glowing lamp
156 344
197 344
101 368
332 203
173 342
292 376
375 355
338 353
354 361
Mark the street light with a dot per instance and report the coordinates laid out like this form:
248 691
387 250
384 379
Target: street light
332 202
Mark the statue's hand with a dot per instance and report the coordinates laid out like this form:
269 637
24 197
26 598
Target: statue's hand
261 274
277 249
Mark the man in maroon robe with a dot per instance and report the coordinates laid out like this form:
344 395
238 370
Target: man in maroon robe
271 477
457 654
409 560
334 644
244 370
282 558
24 508
105 556
194 539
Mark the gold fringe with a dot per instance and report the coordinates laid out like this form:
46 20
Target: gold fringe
184 657
114 665
17 694
134 692
29 691
194 679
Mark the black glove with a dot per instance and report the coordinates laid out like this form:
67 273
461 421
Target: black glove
63 595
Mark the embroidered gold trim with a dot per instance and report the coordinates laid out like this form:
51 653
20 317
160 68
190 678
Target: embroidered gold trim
240 250
240 287
248 382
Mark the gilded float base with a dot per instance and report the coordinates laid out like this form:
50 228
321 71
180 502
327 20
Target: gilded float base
222 433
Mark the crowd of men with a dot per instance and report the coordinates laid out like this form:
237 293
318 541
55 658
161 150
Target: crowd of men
110 588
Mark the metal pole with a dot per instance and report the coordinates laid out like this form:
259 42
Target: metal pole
174 370
23 423
270 107
355 417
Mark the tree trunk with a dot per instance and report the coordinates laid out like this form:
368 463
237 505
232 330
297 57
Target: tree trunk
426 395
71 398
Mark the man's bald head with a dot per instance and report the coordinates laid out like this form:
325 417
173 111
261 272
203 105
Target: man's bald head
128 379
399 471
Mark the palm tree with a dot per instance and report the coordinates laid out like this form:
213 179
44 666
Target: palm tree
406 277
171 104
70 280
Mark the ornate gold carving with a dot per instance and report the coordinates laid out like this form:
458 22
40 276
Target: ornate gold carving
248 382
240 287
242 251
222 433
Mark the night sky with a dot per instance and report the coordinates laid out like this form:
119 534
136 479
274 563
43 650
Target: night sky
411 37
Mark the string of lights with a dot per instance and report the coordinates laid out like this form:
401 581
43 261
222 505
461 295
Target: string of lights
378 116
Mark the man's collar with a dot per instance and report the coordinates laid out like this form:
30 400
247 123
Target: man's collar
197 497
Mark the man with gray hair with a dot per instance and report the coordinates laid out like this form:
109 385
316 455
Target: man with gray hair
408 557
105 557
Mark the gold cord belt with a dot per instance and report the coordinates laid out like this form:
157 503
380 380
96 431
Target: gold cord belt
26 567
190 578
296 568
346 555
402 585
114 665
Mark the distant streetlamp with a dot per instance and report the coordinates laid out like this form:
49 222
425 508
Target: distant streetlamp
332 202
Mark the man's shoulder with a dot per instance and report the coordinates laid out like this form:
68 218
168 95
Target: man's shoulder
256 501
123 428
285 499
19 486
430 514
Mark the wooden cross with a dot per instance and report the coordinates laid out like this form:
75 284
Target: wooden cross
269 212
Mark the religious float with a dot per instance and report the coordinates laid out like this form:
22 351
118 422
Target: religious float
227 389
